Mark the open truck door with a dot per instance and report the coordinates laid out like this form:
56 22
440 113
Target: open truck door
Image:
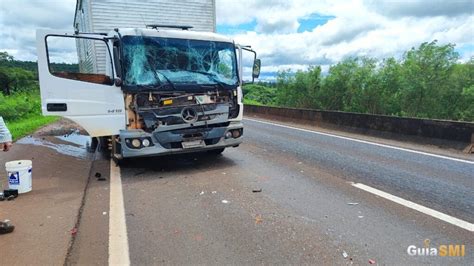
76 85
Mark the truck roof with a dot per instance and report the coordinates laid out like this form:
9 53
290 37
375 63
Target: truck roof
178 34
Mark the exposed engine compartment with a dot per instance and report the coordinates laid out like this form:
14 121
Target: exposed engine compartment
162 111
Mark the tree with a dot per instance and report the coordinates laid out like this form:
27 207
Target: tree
425 76
13 78
335 93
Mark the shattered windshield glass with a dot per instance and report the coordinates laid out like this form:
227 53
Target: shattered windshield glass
153 61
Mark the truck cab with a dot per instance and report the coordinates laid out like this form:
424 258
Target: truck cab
157 90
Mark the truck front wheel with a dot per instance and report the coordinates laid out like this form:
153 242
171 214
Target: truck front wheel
216 151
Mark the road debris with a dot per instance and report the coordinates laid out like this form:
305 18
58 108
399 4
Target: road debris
256 190
214 192
258 219
104 213
225 201
352 203
6 227
360 216
10 192
100 177
74 231
371 261
344 254
202 193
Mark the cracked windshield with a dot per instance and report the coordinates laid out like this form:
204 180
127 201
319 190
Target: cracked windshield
154 61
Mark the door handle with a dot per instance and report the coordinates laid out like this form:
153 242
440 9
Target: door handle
56 107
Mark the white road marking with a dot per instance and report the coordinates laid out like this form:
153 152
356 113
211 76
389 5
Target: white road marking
118 240
365 142
436 214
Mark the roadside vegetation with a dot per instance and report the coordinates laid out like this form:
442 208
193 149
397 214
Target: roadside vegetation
428 81
20 103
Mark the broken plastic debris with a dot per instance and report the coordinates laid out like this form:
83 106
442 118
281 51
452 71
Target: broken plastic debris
99 176
214 192
360 216
6 227
225 201
352 203
344 254
371 261
10 192
104 213
202 193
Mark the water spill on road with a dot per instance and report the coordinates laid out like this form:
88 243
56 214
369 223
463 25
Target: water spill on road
78 148
81 140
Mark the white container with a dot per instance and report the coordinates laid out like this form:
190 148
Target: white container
19 175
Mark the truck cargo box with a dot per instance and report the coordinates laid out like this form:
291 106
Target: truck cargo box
105 15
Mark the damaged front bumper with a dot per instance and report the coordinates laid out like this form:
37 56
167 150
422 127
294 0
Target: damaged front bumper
186 140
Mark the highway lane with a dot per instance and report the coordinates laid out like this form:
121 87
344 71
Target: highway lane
443 184
201 209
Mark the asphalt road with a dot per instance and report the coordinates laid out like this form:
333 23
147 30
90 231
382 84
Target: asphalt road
286 196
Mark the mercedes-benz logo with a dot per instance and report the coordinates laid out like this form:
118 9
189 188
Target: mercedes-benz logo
189 115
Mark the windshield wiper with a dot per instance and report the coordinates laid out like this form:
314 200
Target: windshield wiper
212 76
167 79
151 87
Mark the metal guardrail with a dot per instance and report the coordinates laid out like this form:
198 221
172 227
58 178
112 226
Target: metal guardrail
429 128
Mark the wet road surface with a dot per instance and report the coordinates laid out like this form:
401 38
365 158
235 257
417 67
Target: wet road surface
203 209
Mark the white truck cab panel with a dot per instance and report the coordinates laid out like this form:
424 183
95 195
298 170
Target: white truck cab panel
98 108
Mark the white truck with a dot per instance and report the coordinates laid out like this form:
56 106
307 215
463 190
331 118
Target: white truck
150 90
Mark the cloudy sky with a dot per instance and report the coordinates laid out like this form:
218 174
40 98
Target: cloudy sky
286 34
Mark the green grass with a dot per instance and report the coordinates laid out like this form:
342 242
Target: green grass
251 102
22 112
28 125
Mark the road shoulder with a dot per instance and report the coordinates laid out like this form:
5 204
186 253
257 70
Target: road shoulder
45 217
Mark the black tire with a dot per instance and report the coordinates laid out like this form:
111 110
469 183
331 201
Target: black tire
216 151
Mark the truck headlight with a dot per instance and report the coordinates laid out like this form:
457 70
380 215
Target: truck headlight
145 142
236 133
136 143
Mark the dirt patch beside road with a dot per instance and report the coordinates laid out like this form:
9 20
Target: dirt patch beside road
45 217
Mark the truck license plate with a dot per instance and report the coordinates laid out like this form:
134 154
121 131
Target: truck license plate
193 144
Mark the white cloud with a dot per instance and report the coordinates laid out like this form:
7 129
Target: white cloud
19 20
373 28
360 28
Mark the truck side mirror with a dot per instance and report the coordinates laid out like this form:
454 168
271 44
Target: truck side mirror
256 68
